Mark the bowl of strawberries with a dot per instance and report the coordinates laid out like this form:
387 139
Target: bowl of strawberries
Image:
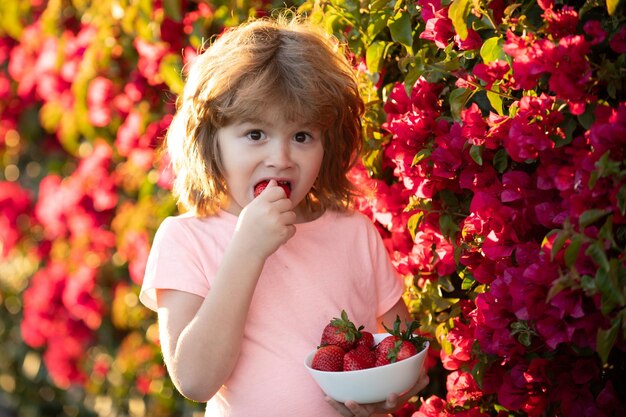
353 364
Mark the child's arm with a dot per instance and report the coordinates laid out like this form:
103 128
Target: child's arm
201 338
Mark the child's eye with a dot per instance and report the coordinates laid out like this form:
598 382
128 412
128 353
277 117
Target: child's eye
302 137
255 135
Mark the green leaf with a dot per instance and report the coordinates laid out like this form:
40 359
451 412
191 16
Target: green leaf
492 50
500 160
598 254
458 98
374 56
458 13
571 252
621 200
476 152
606 338
414 222
448 226
610 286
378 21
559 241
172 9
591 216
401 29
495 100
419 156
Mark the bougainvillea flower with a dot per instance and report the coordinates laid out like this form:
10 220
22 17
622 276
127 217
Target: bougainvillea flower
461 337
571 72
492 72
462 388
562 22
471 42
532 129
618 41
14 202
99 95
529 58
433 406
594 29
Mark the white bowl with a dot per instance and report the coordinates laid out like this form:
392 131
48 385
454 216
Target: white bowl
369 385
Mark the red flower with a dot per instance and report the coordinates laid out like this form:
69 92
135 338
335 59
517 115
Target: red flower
492 72
618 41
532 128
99 95
14 203
594 29
529 58
461 337
462 388
561 23
438 26
571 72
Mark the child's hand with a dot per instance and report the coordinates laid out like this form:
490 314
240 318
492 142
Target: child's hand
267 222
393 402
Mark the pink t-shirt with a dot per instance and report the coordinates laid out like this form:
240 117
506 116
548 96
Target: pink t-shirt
336 262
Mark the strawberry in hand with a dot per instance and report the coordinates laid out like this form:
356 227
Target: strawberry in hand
341 332
261 186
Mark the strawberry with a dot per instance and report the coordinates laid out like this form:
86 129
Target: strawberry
399 345
258 189
328 358
358 358
341 332
393 349
367 340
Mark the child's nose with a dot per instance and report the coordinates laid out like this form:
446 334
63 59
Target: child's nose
280 155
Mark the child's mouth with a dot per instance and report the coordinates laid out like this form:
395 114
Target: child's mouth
285 185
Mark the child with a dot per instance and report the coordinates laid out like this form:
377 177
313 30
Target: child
266 129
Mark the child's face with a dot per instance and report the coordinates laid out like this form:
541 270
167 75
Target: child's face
269 148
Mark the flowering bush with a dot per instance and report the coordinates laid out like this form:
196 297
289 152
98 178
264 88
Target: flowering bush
496 148
495 136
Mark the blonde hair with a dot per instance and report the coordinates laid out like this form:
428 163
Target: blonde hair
286 62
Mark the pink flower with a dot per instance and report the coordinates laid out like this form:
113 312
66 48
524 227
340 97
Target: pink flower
492 72
461 337
532 128
150 56
462 389
99 95
571 72
474 125
561 23
135 248
525 388
471 42
618 41
433 406
438 26
529 58
14 204
594 29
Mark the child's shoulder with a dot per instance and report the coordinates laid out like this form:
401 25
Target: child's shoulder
349 217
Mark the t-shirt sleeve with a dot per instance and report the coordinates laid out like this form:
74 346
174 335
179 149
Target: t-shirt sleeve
389 283
173 264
